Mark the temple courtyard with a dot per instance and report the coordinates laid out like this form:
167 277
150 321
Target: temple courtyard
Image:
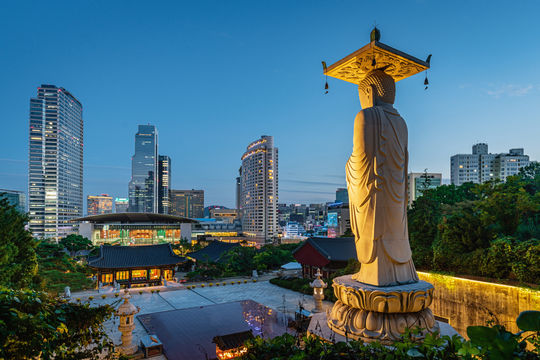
174 298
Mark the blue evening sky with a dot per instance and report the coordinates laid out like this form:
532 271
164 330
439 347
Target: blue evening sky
215 75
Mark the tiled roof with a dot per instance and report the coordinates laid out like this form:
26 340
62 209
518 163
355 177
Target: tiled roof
213 252
113 257
333 249
232 341
135 218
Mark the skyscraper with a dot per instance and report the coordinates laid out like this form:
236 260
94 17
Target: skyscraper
164 178
187 203
99 204
260 189
15 198
121 205
143 192
481 166
55 164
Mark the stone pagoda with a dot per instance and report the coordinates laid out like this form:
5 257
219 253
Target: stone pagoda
126 311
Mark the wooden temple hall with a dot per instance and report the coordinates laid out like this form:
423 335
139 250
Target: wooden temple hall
135 265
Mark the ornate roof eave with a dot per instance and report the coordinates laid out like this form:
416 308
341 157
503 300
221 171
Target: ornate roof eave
354 67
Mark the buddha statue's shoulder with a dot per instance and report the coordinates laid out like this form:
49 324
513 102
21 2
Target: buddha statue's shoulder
366 116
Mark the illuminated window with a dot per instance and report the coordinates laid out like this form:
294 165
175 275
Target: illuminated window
122 275
154 274
106 278
138 274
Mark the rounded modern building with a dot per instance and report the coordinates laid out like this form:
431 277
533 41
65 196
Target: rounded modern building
135 228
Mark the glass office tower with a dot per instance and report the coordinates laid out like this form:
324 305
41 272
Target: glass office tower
55 164
143 192
164 178
187 203
15 198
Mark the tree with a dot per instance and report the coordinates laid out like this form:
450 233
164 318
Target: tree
423 217
239 261
461 233
74 243
34 325
18 259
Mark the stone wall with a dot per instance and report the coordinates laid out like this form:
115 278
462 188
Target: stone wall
469 302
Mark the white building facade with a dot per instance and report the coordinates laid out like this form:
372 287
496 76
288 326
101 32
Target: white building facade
259 190
481 166
418 182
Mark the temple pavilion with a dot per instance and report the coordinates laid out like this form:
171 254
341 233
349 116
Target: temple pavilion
135 265
327 254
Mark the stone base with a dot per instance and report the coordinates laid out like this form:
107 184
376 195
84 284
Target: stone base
128 350
318 326
370 313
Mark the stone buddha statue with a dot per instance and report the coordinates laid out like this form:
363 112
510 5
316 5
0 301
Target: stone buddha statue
377 185
385 297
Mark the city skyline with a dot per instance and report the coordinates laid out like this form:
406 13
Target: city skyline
266 84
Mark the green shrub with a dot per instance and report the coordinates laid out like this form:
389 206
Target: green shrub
485 343
526 265
497 259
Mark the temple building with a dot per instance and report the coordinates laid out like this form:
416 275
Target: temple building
327 254
135 228
135 265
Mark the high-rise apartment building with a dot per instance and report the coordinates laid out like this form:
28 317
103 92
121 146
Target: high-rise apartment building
260 190
509 164
143 187
481 166
164 178
187 203
99 204
419 182
15 198
55 162
121 205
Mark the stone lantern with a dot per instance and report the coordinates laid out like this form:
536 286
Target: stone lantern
126 312
318 291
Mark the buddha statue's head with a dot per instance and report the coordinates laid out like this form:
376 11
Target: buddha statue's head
375 88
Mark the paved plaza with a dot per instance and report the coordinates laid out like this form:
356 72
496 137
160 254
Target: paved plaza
263 292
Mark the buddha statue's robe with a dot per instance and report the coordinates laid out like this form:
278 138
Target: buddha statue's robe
377 186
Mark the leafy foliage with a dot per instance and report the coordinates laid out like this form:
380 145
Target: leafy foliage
74 243
242 260
490 229
18 259
58 270
35 325
486 343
